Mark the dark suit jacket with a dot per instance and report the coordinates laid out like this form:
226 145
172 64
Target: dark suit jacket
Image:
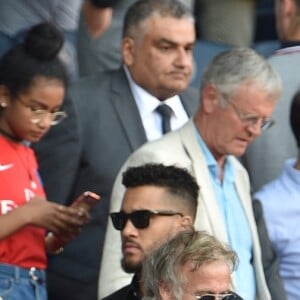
85 152
269 256
128 292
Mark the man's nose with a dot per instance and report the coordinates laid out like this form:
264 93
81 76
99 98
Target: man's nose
183 58
129 229
255 128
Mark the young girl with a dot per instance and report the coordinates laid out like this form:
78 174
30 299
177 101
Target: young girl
32 87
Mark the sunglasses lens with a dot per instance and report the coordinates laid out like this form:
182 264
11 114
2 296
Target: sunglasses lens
118 220
140 219
219 297
233 297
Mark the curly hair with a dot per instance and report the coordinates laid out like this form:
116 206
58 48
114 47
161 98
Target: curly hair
177 181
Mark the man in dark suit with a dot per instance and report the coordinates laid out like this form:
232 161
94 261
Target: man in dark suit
110 115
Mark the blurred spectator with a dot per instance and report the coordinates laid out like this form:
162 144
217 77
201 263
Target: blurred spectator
265 157
99 35
230 22
16 17
280 200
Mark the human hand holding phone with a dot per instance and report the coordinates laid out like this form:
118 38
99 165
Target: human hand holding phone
86 200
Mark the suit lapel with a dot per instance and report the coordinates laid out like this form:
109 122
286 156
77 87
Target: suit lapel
208 213
127 111
243 189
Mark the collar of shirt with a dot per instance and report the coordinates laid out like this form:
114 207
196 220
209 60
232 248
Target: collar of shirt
288 48
289 44
293 173
212 163
147 103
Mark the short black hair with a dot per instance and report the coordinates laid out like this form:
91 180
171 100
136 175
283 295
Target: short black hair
295 117
36 57
177 181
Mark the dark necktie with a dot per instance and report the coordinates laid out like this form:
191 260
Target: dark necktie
166 112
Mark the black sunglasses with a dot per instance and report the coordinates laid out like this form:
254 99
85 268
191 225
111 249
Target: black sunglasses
227 296
139 218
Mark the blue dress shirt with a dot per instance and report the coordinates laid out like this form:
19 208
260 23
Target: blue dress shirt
237 227
281 204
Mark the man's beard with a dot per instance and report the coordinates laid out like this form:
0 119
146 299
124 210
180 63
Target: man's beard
131 267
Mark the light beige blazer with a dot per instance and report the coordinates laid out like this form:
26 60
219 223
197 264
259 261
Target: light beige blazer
181 148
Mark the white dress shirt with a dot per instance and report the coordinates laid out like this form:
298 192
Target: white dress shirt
151 119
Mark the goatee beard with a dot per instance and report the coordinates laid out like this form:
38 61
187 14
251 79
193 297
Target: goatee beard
131 267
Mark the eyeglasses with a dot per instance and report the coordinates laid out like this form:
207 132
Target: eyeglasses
139 218
40 114
227 296
251 120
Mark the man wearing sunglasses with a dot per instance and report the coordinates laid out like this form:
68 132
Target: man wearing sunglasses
239 91
158 202
191 265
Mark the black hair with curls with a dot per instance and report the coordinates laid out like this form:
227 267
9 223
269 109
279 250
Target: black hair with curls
178 181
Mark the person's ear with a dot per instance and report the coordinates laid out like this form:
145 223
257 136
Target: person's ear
165 291
128 50
186 221
4 97
210 98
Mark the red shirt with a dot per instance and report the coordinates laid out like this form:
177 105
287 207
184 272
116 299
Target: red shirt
19 182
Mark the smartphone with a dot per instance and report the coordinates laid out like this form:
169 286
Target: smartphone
86 200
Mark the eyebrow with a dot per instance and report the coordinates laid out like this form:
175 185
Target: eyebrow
42 105
212 292
166 41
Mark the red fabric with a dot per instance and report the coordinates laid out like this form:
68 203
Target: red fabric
19 182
